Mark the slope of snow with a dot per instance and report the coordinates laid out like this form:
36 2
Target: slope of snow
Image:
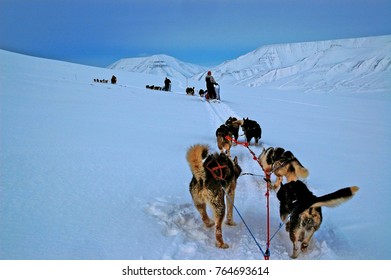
360 64
356 65
162 65
98 171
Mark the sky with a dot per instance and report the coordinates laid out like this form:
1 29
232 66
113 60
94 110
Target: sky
204 32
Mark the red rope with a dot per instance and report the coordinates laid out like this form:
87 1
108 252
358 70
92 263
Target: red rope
267 179
267 194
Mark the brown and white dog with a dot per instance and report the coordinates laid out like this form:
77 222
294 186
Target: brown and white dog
233 125
224 139
304 210
214 175
283 164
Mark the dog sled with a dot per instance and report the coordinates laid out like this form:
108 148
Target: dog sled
163 88
217 90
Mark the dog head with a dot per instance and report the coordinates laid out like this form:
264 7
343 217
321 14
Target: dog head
266 159
230 120
311 218
271 158
249 124
223 131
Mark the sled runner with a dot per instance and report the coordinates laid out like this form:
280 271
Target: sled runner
217 89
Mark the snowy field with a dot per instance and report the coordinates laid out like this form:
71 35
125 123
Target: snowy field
98 171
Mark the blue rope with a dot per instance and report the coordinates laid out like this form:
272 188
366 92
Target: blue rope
252 235
279 227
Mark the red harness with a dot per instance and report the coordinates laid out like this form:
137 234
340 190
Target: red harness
217 171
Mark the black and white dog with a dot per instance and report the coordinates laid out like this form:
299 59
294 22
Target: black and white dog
283 164
304 210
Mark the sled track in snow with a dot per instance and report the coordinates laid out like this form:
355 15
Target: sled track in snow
218 114
190 239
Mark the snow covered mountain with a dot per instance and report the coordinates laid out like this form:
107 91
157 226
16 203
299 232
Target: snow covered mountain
359 64
161 64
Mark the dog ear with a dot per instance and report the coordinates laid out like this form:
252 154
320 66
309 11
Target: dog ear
288 155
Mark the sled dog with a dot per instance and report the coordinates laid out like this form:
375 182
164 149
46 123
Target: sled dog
251 129
233 125
190 91
305 212
224 144
283 164
212 173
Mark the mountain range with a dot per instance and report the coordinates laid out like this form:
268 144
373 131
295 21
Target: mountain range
160 64
358 64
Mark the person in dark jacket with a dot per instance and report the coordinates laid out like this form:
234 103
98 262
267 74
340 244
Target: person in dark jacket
210 85
114 79
167 84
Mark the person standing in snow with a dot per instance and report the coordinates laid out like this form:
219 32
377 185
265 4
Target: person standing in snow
114 80
210 85
167 84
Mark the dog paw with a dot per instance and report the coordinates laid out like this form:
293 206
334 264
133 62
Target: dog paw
230 223
295 252
222 246
304 247
209 223
294 256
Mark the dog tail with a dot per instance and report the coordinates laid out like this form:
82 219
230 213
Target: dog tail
301 171
335 198
195 156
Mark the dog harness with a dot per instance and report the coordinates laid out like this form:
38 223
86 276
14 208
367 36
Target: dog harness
217 171
281 164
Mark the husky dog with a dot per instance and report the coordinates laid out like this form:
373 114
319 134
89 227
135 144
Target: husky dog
305 212
251 130
214 175
190 91
281 163
234 124
224 143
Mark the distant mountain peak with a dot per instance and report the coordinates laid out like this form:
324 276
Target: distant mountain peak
159 64
355 64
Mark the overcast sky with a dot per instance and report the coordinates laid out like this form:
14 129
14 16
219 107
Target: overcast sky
205 32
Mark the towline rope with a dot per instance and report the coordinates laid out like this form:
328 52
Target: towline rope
266 255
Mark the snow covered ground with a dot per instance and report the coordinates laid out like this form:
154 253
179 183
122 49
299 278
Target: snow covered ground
98 171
